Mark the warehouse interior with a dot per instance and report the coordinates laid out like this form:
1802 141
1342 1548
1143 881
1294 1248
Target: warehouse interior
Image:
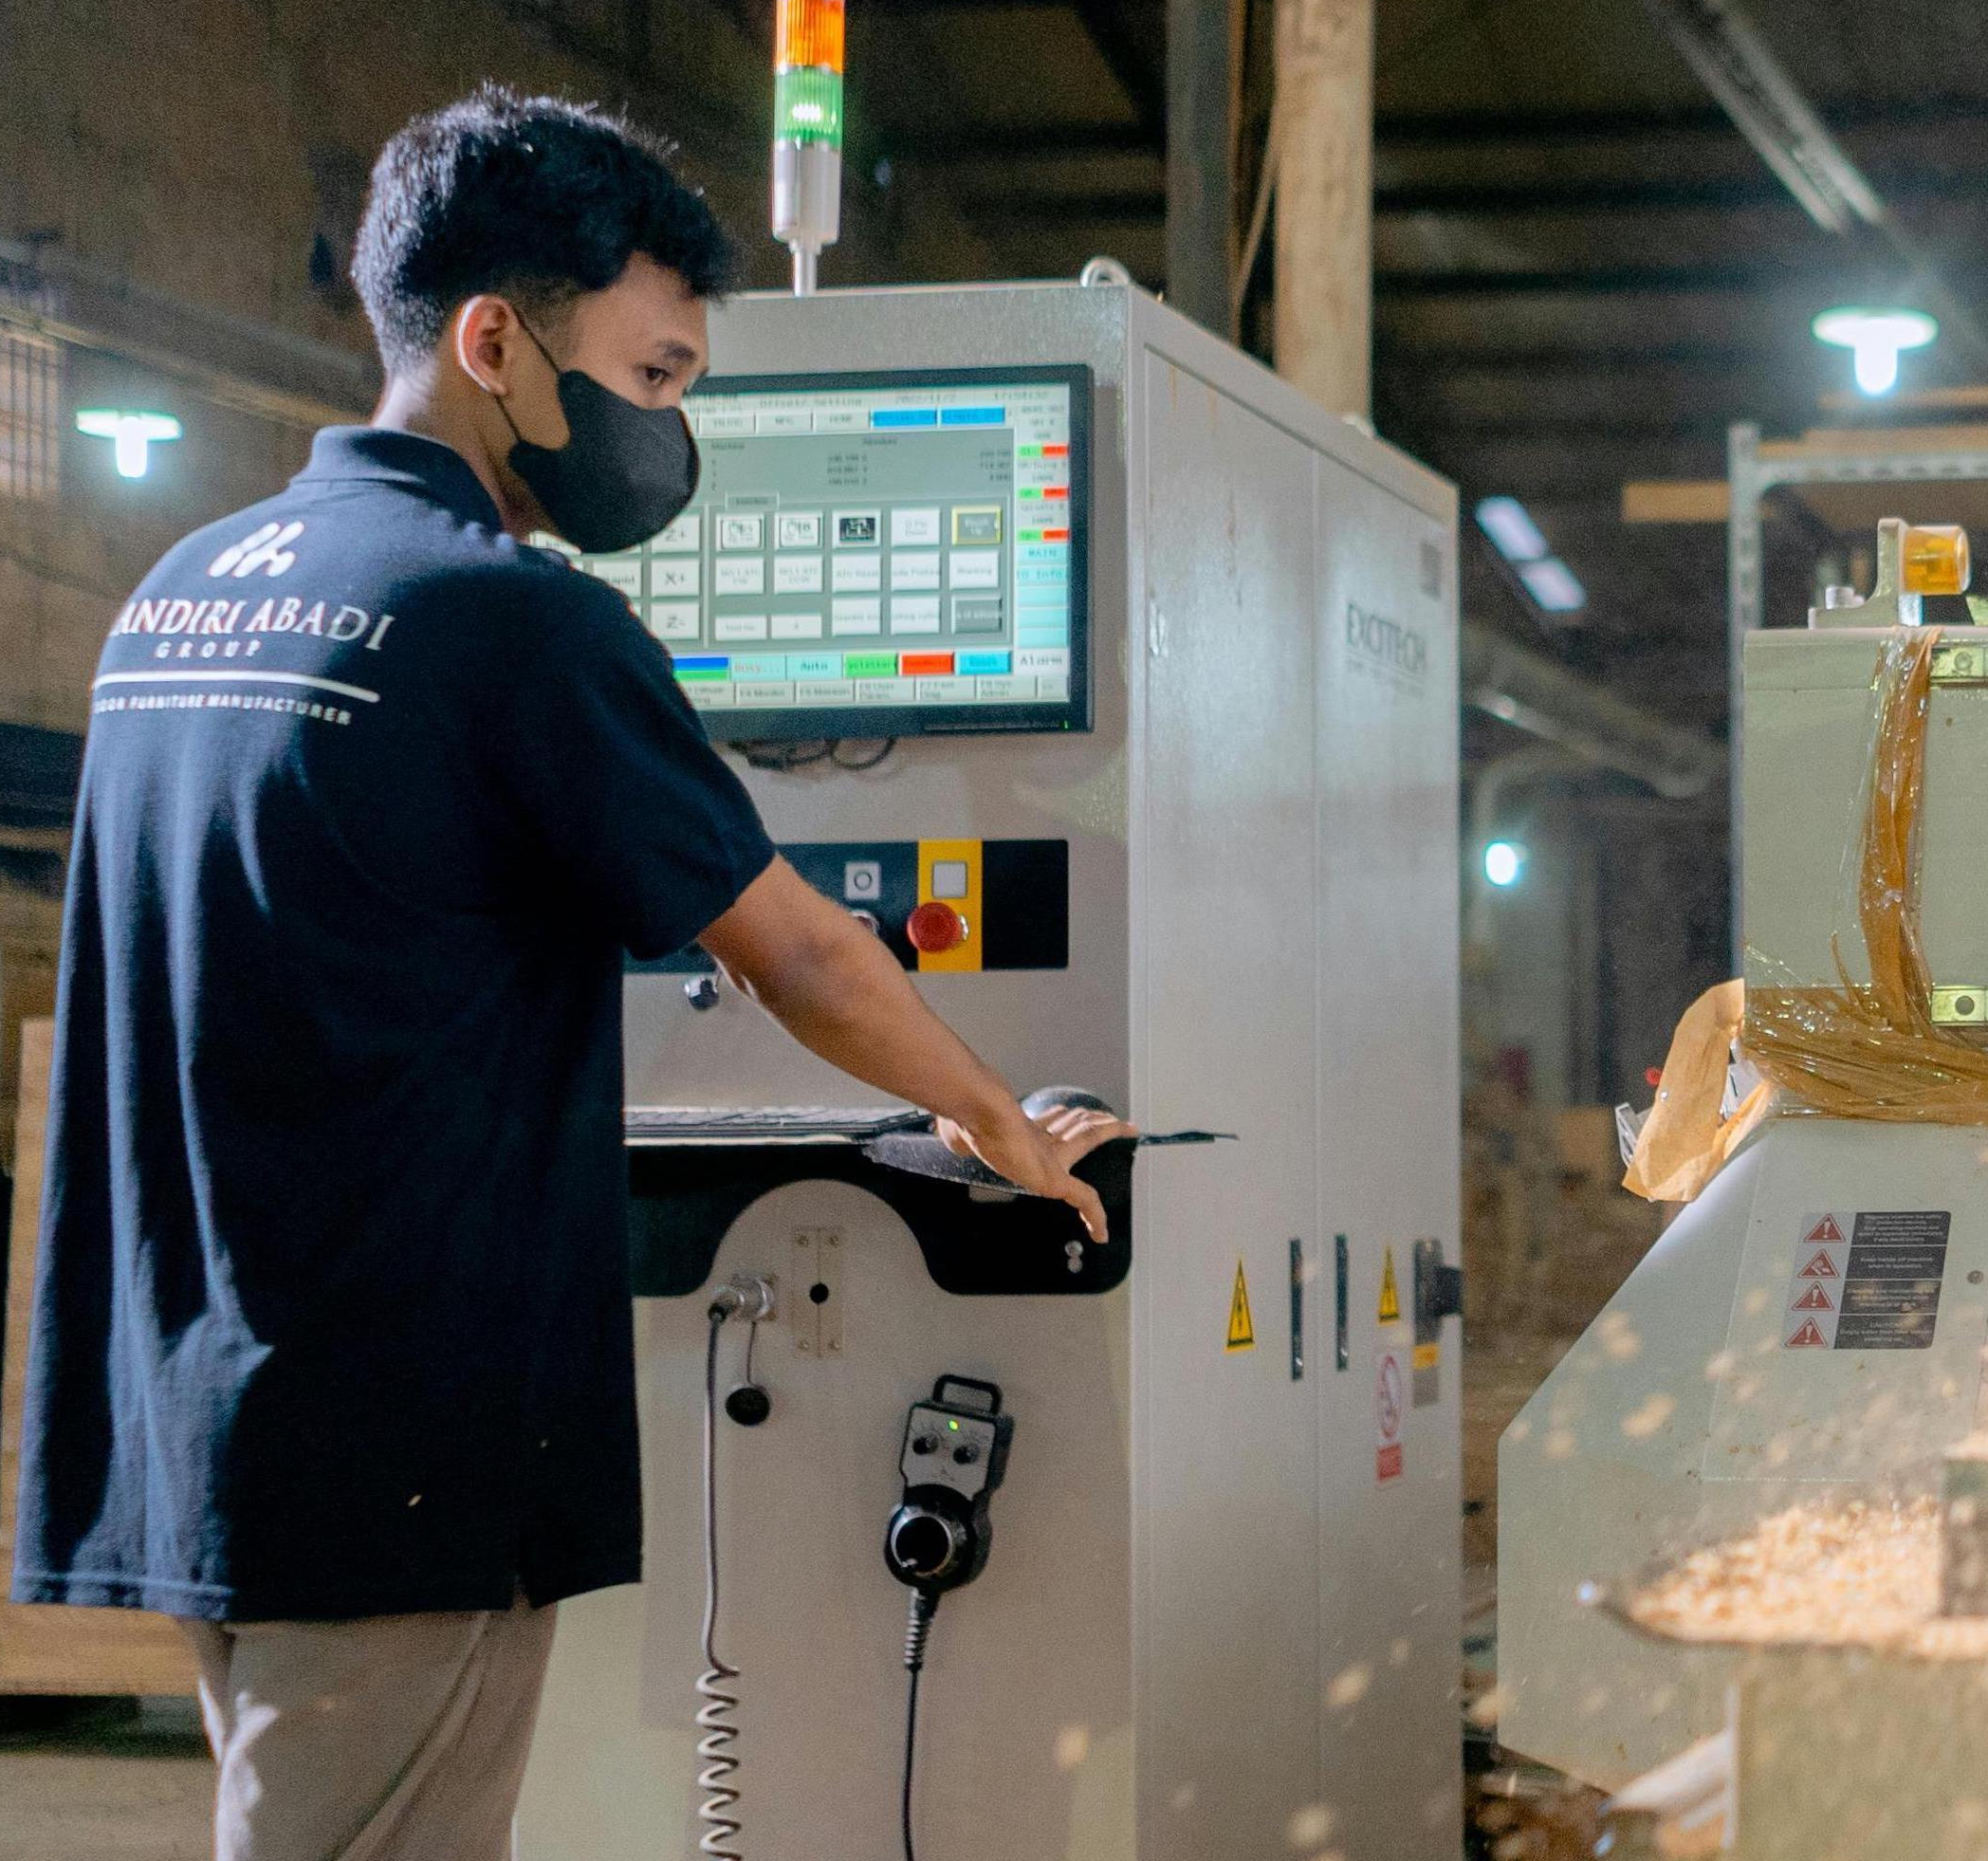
1576 261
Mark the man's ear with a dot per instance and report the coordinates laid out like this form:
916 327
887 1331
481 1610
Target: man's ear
483 334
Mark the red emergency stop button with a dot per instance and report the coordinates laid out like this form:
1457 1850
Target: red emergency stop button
935 928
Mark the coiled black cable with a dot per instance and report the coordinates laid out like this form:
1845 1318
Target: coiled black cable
917 1631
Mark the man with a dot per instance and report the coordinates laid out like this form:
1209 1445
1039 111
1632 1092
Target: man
332 1350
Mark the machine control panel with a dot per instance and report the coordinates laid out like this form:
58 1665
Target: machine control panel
940 906
945 1449
958 1438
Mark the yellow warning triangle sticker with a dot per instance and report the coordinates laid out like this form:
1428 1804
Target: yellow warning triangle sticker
1241 1332
1390 1295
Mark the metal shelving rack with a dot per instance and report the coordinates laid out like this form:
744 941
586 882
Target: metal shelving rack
1755 466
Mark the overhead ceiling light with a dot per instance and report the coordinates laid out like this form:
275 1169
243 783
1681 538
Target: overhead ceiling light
132 434
1504 860
1876 338
1554 585
1510 526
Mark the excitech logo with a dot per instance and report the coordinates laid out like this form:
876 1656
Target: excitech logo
266 549
1386 643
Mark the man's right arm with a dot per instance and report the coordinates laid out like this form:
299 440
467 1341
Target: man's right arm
835 987
630 805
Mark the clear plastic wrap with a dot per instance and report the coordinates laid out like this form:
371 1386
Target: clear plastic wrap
1847 1050
1857 1050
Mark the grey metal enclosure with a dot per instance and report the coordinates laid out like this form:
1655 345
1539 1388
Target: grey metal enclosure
1220 1615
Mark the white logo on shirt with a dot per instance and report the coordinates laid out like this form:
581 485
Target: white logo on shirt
265 549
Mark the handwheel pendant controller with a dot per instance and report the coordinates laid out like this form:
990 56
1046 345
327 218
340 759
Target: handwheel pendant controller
955 1452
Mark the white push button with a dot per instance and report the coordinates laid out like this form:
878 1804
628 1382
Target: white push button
862 880
949 879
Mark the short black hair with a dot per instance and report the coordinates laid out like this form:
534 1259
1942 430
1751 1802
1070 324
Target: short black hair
533 197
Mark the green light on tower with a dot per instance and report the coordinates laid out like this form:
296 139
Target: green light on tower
807 107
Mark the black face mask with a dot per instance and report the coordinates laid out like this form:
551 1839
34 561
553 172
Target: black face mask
624 473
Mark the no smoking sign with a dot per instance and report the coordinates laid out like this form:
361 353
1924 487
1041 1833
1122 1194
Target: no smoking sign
1389 1406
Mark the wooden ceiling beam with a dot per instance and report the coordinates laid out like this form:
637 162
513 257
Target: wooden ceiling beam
1466 132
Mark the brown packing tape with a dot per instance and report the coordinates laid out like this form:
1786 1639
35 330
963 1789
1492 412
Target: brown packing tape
1873 1050
1684 1142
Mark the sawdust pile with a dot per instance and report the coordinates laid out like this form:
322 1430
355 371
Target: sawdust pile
1859 1575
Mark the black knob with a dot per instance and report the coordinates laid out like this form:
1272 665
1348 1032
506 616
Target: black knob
701 992
749 1405
924 1444
965 1453
925 1545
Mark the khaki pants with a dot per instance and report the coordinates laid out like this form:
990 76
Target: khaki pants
398 1738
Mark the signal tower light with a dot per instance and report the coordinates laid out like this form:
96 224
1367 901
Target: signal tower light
807 131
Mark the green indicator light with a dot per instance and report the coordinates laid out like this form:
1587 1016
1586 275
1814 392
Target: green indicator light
870 665
807 107
1028 451
1029 492
689 675
1028 536
954 1427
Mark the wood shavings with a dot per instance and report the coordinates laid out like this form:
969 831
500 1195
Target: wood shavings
1860 1575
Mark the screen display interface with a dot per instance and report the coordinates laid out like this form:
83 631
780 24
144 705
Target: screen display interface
877 555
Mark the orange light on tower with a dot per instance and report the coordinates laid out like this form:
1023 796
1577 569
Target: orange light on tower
807 131
808 32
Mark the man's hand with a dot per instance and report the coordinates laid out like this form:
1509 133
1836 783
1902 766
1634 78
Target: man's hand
837 990
1038 1154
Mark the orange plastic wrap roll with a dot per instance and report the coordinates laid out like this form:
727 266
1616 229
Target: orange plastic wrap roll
1684 1142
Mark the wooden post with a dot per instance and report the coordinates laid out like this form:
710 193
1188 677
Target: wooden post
1201 181
1324 224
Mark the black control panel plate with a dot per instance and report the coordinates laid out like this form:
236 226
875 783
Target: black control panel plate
684 1200
1023 909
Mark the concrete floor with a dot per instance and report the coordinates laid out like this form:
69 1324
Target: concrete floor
105 1781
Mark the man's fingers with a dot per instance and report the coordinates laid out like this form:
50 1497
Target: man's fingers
1058 1142
1084 1199
1098 1129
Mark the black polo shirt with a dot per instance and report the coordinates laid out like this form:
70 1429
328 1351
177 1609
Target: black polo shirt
333 1314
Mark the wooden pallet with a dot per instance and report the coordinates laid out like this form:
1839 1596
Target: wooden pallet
46 1650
